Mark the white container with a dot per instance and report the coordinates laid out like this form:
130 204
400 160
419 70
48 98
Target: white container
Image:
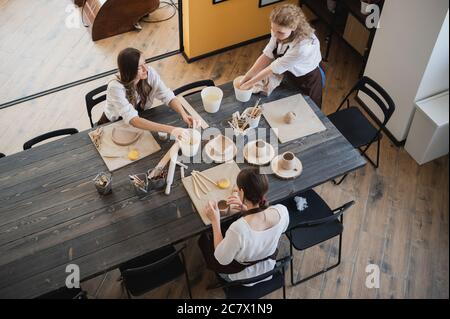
190 146
253 122
428 135
212 97
241 95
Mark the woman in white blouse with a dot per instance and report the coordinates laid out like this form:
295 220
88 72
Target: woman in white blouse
251 242
134 90
293 50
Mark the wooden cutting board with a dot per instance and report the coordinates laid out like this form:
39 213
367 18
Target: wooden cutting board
228 170
306 123
145 145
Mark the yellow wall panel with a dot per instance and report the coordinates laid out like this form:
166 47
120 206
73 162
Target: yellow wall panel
209 27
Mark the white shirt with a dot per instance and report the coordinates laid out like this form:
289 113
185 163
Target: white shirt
118 105
244 244
300 58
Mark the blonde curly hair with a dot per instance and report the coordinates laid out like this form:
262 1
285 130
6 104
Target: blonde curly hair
292 17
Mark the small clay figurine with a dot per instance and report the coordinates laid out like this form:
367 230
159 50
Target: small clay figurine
290 117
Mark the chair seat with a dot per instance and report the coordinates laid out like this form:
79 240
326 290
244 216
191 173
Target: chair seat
305 237
146 281
256 291
355 127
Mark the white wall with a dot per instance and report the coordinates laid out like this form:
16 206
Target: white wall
400 54
435 79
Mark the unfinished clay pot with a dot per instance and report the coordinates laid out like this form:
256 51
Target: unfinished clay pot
290 117
124 137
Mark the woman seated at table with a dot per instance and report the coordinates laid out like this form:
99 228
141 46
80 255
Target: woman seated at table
250 244
293 50
133 92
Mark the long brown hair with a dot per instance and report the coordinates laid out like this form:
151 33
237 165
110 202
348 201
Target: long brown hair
292 17
254 185
128 63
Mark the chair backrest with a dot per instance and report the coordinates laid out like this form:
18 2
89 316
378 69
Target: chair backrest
193 85
377 94
322 73
93 98
236 288
153 267
40 138
338 212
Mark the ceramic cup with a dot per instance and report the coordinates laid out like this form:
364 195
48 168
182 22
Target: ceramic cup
253 122
212 97
260 148
287 161
190 146
290 117
223 207
241 95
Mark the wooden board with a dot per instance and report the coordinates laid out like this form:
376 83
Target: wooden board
192 112
306 123
229 170
145 145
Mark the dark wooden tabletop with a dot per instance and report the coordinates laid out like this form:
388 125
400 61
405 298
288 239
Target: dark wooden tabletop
52 216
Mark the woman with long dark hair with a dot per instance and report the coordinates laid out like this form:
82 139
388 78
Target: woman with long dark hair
133 91
250 244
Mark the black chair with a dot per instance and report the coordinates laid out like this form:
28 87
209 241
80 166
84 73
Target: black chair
40 138
93 98
65 293
355 127
153 269
2 155
193 85
312 226
237 290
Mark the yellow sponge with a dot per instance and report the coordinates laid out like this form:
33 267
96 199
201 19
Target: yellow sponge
133 155
223 183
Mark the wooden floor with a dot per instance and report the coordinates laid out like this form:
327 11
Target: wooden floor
400 221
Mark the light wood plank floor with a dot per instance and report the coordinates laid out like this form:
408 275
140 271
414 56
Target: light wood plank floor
39 50
400 221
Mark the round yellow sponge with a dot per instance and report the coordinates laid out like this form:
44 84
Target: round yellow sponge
133 155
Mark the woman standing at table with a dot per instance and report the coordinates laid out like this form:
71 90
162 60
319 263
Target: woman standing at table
133 92
293 50
249 246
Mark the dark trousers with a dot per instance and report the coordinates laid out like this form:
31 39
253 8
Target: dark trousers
309 84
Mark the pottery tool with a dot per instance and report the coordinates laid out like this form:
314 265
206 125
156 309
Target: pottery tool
171 172
201 182
200 185
182 165
97 137
182 171
165 159
205 177
192 112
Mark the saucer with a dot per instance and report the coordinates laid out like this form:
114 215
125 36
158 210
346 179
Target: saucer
250 154
287 174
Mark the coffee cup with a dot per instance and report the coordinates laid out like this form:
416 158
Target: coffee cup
260 148
287 161
223 207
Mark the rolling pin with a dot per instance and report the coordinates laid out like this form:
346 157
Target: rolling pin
171 172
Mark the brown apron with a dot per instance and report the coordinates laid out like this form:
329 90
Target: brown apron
206 244
309 84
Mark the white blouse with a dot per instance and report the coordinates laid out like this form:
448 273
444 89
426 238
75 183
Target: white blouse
118 105
300 58
244 244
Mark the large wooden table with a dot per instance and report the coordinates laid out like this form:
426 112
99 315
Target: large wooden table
51 214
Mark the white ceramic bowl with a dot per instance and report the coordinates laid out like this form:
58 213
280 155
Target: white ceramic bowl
212 97
241 95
